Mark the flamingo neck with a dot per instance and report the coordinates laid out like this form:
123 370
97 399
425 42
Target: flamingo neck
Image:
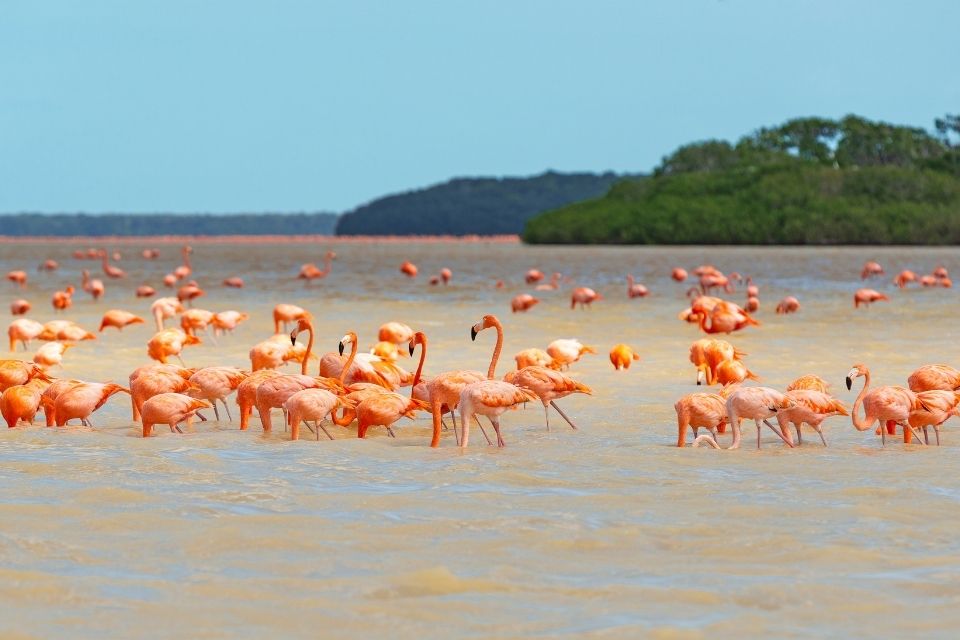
491 372
861 425
423 356
327 262
186 258
349 362
306 356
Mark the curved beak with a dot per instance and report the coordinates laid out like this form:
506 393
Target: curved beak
411 349
341 348
849 383
473 333
293 337
774 409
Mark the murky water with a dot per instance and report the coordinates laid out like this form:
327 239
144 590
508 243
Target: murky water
608 531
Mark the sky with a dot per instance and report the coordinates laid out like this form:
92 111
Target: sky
246 105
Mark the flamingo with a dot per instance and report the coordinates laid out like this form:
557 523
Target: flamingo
119 319
94 287
49 396
216 383
184 270
383 409
150 254
904 277
707 410
247 393
274 392
446 275
65 330
636 290
678 274
490 397
549 385
725 317
553 285
753 403
272 354
20 307
622 356
788 305
940 273
533 276
21 402
23 330
889 404
810 407
170 409
19 278
227 321
63 300
733 372
189 292
310 271
81 399
145 291
871 269
312 404
522 302
930 377
408 269
866 297
395 332
753 291
584 296
14 372
169 342
194 320
234 282
938 407
534 356
753 304
566 351
108 269
50 354
810 382
163 308
284 313
50 265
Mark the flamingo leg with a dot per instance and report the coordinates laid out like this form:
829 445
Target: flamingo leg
926 435
913 431
496 427
312 430
202 417
216 414
936 432
563 415
482 430
546 414
320 424
775 430
227 407
177 427
822 439
456 434
799 437
390 431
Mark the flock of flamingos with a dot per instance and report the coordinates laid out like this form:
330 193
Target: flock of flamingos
366 387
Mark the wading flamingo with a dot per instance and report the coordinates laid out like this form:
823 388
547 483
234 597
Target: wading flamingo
549 385
171 409
904 277
533 276
752 403
810 407
584 296
707 410
788 305
395 332
315 405
227 321
938 407
19 278
118 318
930 377
889 404
678 274
23 330
146 291
14 372
811 382
50 354
152 379
234 282
622 356
284 313
310 271
490 397
163 308
21 402
871 269
108 269
534 357
80 400
20 307
63 300
408 269
553 285
169 342
92 286
866 297
636 290
566 351
522 302
184 270
247 393
216 383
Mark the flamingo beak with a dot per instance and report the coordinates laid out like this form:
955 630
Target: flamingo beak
773 409
849 383
473 333
341 348
293 337
410 349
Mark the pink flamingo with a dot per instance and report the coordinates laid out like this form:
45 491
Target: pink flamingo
108 269
752 403
888 404
216 383
810 407
866 297
584 296
81 400
523 302
19 307
553 285
310 271
678 274
636 290
788 305
171 409
871 269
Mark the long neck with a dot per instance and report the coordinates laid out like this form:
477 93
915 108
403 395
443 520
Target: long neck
858 423
306 356
186 258
491 372
703 322
630 281
326 264
423 356
349 362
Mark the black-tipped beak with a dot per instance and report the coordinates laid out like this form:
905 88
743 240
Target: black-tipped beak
293 338
411 349
341 348
849 383
473 333
774 409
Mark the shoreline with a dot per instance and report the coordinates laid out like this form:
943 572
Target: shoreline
248 239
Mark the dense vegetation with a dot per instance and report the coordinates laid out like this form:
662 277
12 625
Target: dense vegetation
462 206
80 224
809 181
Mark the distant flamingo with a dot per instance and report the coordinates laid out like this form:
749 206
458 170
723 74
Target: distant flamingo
310 271
171 409
19 278
184 270
169 280
699 410
636 290
109 270
534 357
726 317
533 276
169 342
150 254
622 356
163 308
810 407
94 287
584 296
566 351
553 285
63 300
788 305
810 382
50 354
490 397
408 269
48 265
904 277
678 274
195 320
890 405
19 307
867 296
145 291
753 291
446 275
940 272
82 399
395 332
189 292
235 282
119 319
752 403
227 321
871 269
523 302
753 304
23 330
284 313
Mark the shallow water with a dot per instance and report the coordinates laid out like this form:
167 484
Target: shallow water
608 531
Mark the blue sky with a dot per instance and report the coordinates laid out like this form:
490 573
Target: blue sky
237 105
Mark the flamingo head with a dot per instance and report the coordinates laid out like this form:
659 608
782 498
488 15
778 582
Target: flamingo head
303 324
485 323
350 338
418 338
857 371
